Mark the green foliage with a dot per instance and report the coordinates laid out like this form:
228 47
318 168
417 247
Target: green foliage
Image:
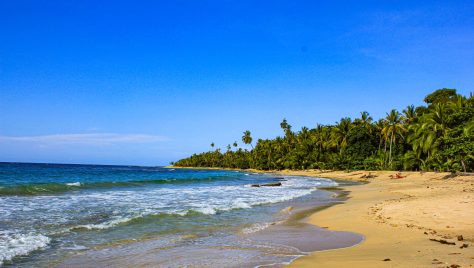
440 95
439 136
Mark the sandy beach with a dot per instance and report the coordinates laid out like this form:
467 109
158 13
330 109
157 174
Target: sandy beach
425 219
421 220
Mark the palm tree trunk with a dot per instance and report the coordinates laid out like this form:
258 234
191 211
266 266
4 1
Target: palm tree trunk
390 154
463 165
380 143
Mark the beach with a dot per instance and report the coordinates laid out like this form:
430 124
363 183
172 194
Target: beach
148 216
421 220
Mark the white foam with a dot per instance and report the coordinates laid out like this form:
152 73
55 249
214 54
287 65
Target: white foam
104 225
73 184
256 227
206 210
15 244
125 205
76 247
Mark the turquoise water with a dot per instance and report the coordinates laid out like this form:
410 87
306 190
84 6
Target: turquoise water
50 212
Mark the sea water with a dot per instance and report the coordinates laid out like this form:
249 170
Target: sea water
52 213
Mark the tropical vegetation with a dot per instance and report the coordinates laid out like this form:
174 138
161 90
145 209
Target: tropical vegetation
438 136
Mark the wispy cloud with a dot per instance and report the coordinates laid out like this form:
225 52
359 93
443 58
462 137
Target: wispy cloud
87 138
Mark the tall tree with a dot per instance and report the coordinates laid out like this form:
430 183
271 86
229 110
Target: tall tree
441 95
409 114
247 138
393 128
340 133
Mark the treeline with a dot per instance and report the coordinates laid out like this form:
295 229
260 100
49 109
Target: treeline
435 137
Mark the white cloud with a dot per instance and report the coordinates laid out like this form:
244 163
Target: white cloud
88 138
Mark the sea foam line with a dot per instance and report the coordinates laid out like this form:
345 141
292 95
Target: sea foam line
12 245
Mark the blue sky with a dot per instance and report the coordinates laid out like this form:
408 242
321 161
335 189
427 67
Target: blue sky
121 82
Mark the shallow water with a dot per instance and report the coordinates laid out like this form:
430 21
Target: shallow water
264 244
50 214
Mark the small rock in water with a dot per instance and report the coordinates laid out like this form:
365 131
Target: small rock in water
464 246
287 209
272 184
387 259
266 184
460 238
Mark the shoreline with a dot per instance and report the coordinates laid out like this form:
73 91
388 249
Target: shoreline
407 222
289 228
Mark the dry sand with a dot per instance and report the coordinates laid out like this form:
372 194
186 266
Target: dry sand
398 217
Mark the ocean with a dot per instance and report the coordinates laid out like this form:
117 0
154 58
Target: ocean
101 216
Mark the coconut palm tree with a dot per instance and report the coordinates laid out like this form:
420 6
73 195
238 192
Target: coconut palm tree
365 120
286 128
379 126
247 138
409 114
340 133
318 137
393 128
422 139
424 134
284 124
437 119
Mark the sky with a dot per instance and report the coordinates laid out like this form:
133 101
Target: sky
149 82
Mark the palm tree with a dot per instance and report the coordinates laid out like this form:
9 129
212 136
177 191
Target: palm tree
212 144
429 128
437 119
235 144
286 127
421 138
409 114
379 126
365 120
247 138
468 129
304 133
284 124
318 137
340 133
393 128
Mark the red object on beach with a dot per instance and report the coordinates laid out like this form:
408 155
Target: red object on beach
397 176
